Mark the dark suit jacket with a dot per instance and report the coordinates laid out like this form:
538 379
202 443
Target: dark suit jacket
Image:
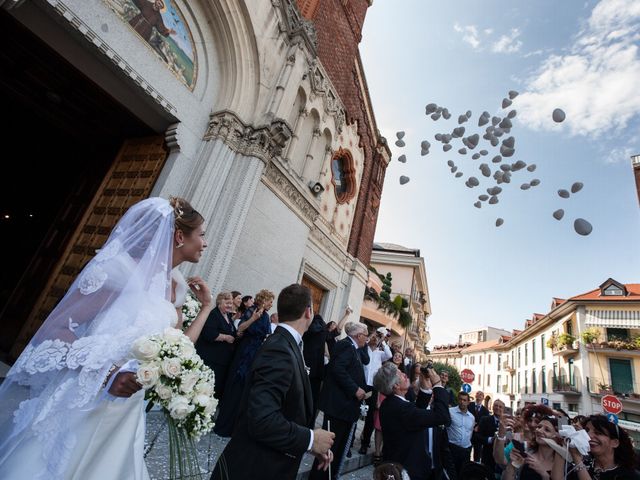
404 429
478 414
314 342
212 352
276 414
486 429
345 374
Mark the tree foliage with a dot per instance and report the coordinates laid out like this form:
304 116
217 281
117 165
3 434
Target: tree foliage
455 382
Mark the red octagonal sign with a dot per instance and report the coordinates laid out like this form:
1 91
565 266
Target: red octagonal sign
467 376
611 404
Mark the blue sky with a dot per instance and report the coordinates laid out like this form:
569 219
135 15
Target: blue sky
466 55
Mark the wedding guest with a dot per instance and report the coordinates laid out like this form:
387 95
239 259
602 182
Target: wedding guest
237 301
247 301
537 461
254 327
71 405
444 376
315 339
274 322
274 428
216 342
335 329
460 431
478 410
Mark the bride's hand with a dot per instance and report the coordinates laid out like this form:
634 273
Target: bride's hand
200 289
124 385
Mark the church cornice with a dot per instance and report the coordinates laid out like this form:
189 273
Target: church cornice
297 28
264 142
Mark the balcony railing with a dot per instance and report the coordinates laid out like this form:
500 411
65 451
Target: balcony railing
564 384
622 389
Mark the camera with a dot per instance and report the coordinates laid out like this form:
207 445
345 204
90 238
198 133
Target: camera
426 367
364 409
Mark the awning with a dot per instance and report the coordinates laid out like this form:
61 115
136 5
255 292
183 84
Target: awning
613 318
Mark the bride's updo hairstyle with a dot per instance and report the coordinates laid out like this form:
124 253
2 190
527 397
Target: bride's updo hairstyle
187 217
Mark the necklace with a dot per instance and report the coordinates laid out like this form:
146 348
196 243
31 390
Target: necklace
597 471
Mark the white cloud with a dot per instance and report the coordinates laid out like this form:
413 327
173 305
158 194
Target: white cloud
596 83
621 154
469 34
507 43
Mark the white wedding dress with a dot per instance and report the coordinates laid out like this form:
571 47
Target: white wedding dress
108 442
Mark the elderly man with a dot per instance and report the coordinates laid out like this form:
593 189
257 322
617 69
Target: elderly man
478 410
342 392
405 425
379 352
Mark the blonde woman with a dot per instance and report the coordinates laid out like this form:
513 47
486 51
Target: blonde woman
254 327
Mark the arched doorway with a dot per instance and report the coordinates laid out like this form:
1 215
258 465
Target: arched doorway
59 125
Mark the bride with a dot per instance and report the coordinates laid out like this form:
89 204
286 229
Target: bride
71 406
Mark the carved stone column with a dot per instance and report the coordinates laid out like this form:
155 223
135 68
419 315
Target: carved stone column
307 169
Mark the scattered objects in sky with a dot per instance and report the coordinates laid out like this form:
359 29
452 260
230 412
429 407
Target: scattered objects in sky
558 214
400 135
400 143
459 174
563 193
525 186
576 187
512 94
446 147
558 115
531 168
582 227
499 222
430 108
402 159
535 182
506 103
477 205
404 179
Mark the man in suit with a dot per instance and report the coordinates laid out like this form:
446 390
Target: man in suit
486 431
315 339
343 390
276 415
478 410
405 425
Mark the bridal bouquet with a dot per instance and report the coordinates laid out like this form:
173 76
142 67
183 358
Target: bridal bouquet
174 376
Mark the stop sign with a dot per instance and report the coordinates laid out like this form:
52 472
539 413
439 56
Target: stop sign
467 376
611 404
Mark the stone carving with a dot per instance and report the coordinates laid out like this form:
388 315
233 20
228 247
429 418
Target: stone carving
321 86
280 184
329 245
106 49
298 28
264 142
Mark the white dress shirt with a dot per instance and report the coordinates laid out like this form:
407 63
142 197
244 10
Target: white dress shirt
461 427
376 357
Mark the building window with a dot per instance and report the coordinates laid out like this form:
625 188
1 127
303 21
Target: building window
568 327
519 356
533 351
480 359
526 354
343 175
534 383
498 383
488 380
518 381
542 346
526 381
480 380
614 334
489 358
573 407
613 290
512 357
557 405
555 370
544 379
499 361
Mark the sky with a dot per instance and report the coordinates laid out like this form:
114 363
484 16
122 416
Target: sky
579 56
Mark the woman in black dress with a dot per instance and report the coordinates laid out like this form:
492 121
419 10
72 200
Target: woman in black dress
216 343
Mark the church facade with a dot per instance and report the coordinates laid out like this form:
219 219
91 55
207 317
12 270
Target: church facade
254 111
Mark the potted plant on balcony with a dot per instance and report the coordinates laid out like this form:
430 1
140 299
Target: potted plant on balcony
605 388
590 335
553 341
565 340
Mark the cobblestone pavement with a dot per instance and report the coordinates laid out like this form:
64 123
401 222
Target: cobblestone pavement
210 447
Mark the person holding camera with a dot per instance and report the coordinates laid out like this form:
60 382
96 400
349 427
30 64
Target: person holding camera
406 425
379 352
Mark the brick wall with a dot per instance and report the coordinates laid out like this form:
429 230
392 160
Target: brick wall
636 171
339 28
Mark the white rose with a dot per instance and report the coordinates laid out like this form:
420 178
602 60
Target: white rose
171 367
179 407
148 375
188 381
208 410
202 400
172 335
187 350
204 389
145 349
163 392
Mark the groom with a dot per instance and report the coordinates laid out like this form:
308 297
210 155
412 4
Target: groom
273 429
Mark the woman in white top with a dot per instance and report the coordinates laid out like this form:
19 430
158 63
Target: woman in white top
71 406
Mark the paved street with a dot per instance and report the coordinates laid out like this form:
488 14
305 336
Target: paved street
210 447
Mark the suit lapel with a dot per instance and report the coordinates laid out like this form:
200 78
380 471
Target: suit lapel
308 401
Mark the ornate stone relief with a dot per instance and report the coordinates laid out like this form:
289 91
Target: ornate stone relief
106 49
321 238
298 28
322 87
264 142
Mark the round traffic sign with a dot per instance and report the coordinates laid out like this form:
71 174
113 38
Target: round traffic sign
611 404
613 418
467 376
466 388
